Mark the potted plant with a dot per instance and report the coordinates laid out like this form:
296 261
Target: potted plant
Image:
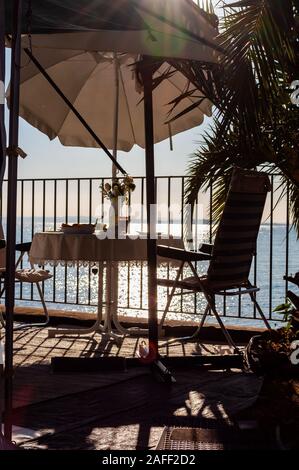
270 352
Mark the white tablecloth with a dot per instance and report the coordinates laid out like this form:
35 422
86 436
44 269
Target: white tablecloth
58 248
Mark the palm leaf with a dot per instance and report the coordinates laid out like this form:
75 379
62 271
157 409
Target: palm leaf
254 122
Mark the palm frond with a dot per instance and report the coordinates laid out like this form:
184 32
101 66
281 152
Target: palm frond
255 123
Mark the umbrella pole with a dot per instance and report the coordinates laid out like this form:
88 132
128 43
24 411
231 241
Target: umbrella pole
147 78
11 214
116 114
115 203
112 268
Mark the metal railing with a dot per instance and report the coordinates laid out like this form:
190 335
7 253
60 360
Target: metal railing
43 204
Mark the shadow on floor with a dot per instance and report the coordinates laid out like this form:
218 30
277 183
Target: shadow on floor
131 414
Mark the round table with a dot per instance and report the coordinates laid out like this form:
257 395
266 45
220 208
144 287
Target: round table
58 248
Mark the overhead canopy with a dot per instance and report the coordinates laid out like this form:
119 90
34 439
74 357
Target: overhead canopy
161 28
56 16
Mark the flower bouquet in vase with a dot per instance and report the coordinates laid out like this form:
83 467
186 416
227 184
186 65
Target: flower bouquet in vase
118 193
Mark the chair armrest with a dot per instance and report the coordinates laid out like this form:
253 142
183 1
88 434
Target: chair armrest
182 255
2 244
206 248
24 247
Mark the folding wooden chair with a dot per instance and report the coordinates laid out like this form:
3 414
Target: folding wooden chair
230 256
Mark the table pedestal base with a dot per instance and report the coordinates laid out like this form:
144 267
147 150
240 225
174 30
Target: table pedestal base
104 329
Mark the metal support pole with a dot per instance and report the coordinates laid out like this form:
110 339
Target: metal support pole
147 78
2 163
2 79
11 213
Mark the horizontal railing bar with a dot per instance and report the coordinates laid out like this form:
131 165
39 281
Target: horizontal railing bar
86 178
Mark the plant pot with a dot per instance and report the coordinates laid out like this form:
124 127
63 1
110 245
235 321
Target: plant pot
266 362
117 222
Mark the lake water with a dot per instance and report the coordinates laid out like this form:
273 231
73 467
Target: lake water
77 286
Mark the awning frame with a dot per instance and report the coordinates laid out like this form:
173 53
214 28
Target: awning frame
147 68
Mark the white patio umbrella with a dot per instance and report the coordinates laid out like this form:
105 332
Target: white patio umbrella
87 79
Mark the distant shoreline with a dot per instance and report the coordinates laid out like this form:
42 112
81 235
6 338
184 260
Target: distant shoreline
136 221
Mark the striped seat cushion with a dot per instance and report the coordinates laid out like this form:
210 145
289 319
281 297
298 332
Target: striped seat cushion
32 275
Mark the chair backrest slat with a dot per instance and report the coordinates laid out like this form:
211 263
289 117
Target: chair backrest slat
235 241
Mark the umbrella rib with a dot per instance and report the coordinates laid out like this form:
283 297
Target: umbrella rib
128 106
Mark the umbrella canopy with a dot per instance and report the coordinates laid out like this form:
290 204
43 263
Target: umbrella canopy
163 28
88 81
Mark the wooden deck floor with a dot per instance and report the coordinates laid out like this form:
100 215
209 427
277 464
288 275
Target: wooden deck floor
116 409
33 351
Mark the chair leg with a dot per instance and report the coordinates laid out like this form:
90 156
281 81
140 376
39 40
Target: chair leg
195 335
202 321
42 324
210 298
43 302
255 302
2 321
211 302
170 296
